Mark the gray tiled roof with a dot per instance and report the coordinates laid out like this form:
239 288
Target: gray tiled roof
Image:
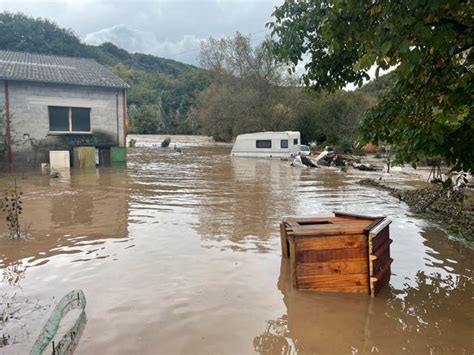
25 66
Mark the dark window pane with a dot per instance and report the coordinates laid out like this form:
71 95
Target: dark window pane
81 119
295 141
284 143
264 143
58 118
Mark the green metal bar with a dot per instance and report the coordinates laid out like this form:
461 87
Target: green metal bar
74 299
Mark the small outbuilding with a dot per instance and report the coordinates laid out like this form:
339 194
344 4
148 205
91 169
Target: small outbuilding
58 103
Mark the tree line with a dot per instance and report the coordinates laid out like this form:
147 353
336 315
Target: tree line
428 108
162 92
251 91
239 88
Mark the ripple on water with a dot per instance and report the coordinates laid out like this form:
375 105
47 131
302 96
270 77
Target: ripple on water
180 253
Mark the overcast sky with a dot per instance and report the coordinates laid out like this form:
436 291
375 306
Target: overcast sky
166 28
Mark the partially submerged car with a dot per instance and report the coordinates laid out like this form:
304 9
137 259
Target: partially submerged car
304 150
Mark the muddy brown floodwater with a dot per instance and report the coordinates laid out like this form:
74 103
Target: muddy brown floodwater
179 254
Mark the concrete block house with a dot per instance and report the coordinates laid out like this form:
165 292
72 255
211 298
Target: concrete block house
58 103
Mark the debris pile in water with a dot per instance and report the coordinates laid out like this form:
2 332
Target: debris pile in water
447 207
328 157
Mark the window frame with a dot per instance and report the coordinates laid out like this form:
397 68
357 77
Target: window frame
257 141
70 121
284 146
295 141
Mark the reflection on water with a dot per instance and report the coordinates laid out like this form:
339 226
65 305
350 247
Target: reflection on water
262 187
416 319
179 253
64 215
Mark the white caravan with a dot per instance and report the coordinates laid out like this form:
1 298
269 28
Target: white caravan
267 144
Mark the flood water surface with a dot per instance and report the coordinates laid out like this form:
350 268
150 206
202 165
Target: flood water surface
179 253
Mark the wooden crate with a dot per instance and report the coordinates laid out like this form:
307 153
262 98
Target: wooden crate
344 253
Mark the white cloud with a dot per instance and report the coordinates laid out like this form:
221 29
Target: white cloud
185 49
160 27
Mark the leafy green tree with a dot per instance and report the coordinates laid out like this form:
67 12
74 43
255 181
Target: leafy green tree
22 33
154 81
380 86
429 109
147 119
331 118
247 93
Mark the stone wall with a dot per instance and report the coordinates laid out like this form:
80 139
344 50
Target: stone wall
31 137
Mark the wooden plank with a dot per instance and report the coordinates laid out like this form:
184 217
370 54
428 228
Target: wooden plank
293 273
374 223
380 238
293 220
353 215
339 224
334 282
315 256
284 241
351 289
356 266
381 250
346 228
380 261
381 279
332 242
382 271
379 285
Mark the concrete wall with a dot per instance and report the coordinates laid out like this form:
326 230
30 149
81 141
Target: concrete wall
29 116
2 111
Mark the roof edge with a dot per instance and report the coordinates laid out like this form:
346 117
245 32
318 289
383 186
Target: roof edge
2 78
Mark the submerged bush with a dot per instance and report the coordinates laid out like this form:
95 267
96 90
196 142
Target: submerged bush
345 146
166 142
132 143
12 206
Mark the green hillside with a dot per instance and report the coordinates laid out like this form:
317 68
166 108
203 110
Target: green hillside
167 96
23 33
162 90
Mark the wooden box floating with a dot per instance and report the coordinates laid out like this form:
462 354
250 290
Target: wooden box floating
344 253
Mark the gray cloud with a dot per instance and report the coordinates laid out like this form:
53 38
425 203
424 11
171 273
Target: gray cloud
166 28
185 49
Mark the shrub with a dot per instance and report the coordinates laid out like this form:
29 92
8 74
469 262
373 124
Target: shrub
345 146
166 142
132 143
12 206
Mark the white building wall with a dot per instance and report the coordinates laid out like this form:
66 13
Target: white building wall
30 118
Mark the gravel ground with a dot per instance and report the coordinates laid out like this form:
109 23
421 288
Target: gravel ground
449 208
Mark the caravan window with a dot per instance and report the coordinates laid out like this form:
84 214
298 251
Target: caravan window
295 141
284 143
264 143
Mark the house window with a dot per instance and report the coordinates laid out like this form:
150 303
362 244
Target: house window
295 141
264 143
69 119
284 143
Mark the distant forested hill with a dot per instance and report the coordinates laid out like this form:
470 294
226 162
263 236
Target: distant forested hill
23 33
380 86
167 96
162 93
